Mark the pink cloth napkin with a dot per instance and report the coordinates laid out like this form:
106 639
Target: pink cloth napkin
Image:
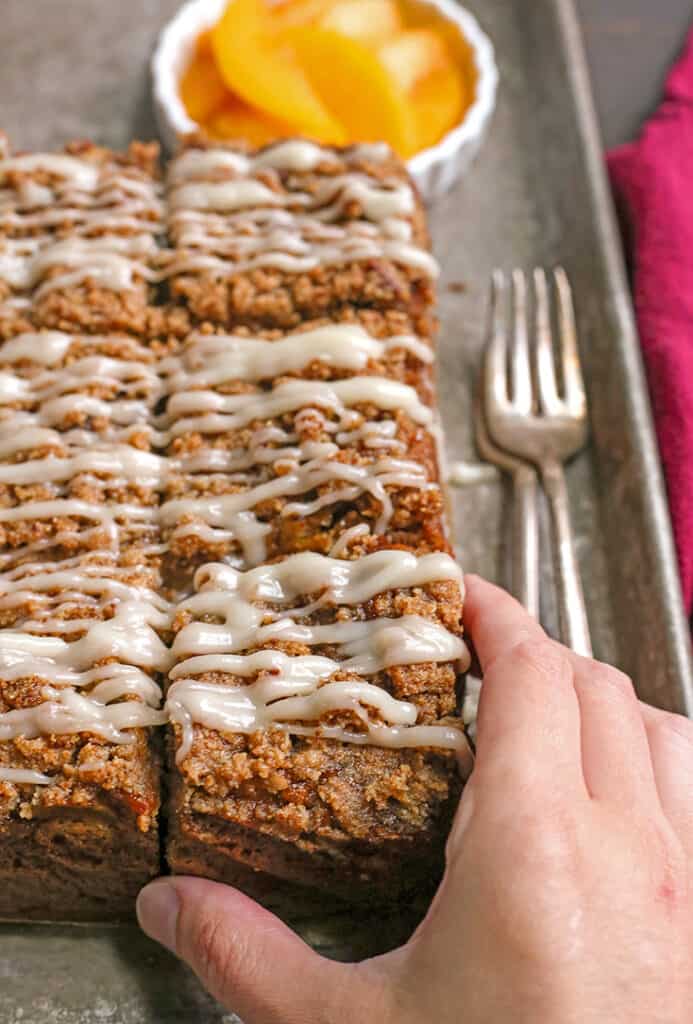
653 183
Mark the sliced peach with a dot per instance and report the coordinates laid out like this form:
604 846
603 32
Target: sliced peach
438 102
355 87
202 88
368 20
410 56
236 120
266 74
292 13
204 43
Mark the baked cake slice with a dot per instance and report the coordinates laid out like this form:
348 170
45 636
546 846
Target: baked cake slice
295 231
79 237
314 698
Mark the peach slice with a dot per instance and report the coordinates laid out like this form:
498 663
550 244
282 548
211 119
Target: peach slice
438 102
355 87
236 120
410 56
368 20
204 43
292 13
202 88
266 74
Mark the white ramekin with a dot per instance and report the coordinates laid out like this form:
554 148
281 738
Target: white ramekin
434 170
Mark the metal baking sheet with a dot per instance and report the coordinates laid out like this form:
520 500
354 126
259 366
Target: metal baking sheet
537 195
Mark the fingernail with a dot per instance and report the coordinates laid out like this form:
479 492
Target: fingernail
157 912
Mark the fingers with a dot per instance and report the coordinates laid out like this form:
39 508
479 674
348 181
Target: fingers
495 621
528 730
616 760
246 957
670 739
546 714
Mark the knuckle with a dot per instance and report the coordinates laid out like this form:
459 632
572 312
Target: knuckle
543 657
547 861
619 682
547 838
669 725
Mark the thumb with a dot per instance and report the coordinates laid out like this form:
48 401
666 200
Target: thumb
244 955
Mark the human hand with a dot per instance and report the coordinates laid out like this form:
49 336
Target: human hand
568 892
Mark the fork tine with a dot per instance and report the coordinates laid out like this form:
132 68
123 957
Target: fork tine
570 356
546 371
521 366
495 383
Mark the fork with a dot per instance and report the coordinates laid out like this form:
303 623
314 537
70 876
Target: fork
525 529
535 420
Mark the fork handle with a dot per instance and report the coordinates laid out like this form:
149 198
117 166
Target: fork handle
525 539
571 599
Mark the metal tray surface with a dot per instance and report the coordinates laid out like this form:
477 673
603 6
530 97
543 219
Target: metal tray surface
537 195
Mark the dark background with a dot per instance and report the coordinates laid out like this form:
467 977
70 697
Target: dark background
630 45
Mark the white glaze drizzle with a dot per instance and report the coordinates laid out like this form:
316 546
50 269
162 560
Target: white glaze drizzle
223 196
243 528
305 466
289 690
78 173
123 462
106 516
78 188
57 393
225 592
24 776
83 578
131 216
210 412
343 582
76 616
113 215
345 540
367 646
379 201
110 261
209 360
251 231
290 155
122 375
292 230
47 348
275 701
68 712
109 523
42 392
295 247
66 667
218 510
